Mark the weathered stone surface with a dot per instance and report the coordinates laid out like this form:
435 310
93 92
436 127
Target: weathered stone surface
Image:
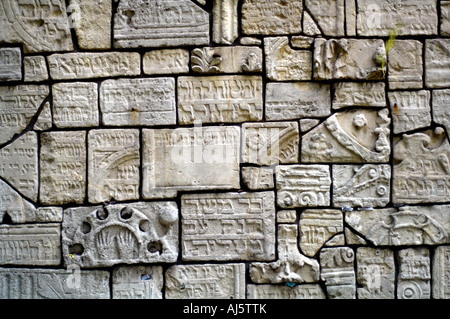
307 124
225 21
414 275
356 136
19 164
236 59
337 270
359 94
291 265
290 101
356 59
149 101
137 282
410 110
44 120
437 62
361 185
35 68
113 170
217 99
124 233
353 239
71 283
18 209
407 17
303 185
445 18
167 61
375 273
309 25
409 225
41 25
62 167
160 23
270 143
336 241
329 14
92 23
286 216
86 65
18 105
441 273
284 63
10 64
441 111
317 227
49 214
190 159
37 245
306 291
405 65
421 168
228 226
250 41
301 42
350 17
75 104
271 17
257 178
219 281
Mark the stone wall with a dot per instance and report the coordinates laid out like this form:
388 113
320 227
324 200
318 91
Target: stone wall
225 149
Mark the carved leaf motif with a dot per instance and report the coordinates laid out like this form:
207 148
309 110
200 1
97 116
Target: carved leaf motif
205 61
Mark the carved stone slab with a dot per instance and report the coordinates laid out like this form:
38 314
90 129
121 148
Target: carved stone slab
123 233
286 216
414 275
137 282
190 159
361 186
49 214
356 136
290 101
113 169
422 168
225 21
408 17
270 143
62 167
19 164
167 61
410 110
359 94
41 25
271 17
303 185
317 227
437 61
329 14
409 225
75 104
375 273
44 121
85 65
441 112
160 23
257 178
445 18
441 273
337 270
357 59
304 291
284 63
18 209
71 283
149 101
18 105
217 99
405 65
10 64
228 226
212 281
291 266
35 68
37 245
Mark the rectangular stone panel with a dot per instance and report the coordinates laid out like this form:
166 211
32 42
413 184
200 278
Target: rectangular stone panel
137 282
129 102
304 291
70 283
86 65
114 162
414 276
228 226
10 64
405 65
168 61
35 68
190 159
437 63
445 18
359 94
212 281
441 273
62 167
220 99
441 114
36 245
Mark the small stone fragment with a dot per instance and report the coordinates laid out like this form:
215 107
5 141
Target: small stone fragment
329 14
286 216
14 206
35 68
359 94
441 271
445 18
137 282
441 111
49 214
225 21
257 178
414 277
10 64
167 61
304 291
437 59
405 65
